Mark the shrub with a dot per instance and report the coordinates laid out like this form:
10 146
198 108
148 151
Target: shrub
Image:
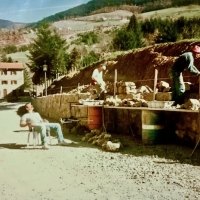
10 49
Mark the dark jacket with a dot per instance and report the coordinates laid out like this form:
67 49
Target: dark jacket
184 62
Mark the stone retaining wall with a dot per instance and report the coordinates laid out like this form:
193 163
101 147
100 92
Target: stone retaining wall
182 125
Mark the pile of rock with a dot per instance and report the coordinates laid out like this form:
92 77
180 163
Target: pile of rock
104 140
126 88
127 95
125 102
191 104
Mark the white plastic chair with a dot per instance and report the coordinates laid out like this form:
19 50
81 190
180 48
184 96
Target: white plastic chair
36 137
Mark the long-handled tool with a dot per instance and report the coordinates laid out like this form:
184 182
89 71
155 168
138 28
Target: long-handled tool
195 147
198 124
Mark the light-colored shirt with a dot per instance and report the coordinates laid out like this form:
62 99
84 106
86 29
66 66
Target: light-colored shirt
97 76
33 117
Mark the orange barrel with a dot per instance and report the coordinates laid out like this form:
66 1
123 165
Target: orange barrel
94 117
153 130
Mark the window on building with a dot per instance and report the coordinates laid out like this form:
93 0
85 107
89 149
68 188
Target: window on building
4 72
13 82
13 72
4 82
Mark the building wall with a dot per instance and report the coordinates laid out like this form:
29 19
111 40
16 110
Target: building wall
10 80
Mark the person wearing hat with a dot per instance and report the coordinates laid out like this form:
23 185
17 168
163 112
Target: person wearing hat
184 62
98 82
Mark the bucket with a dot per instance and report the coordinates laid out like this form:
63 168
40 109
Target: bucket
94 117
153 131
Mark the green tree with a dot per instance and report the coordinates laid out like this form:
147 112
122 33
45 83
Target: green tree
89 38
124 40
129 37
167 31
89 59
135 27
4 58
27 79
23 48
10 49
50 49
74 59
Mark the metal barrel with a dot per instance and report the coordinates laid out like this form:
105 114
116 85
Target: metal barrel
153 129
94 117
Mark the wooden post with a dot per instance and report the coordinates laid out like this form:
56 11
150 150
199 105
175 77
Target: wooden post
60 96
155 83
115 82
78 87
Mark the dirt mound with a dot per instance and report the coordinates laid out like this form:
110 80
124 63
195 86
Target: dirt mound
137 66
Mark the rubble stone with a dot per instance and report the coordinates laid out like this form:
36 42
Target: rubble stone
192 104
110 146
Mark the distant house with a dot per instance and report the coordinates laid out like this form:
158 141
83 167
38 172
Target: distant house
11 79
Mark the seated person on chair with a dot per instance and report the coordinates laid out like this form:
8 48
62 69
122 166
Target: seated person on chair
33 119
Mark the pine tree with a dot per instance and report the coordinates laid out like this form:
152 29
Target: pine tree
4 58
129 37
74 59
135 27
50 49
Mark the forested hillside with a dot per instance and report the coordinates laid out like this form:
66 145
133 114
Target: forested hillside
93 5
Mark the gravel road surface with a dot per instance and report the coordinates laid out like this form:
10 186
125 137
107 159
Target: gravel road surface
82 171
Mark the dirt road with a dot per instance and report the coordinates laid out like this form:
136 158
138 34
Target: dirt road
83 172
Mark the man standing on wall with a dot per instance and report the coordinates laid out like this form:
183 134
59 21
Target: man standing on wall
98 82
184 62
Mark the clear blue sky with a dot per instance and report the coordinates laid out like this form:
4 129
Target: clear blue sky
34 10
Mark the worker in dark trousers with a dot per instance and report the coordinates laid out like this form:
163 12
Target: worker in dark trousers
184 62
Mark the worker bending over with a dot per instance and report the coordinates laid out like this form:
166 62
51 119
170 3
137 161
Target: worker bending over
184 62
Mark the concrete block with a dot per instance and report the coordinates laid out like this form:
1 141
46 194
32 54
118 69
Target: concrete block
147 96
120 90
159 104
163 96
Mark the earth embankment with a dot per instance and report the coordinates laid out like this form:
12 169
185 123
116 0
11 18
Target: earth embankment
136 66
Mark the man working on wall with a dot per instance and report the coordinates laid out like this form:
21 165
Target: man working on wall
183 62
33 119
98 82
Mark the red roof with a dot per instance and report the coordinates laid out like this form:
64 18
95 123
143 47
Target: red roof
11 65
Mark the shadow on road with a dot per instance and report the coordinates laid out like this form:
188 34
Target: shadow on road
12 146
19 146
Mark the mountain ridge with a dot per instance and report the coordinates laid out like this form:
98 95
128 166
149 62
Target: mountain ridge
11 25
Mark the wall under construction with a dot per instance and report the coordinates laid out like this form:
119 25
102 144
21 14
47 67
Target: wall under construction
176 124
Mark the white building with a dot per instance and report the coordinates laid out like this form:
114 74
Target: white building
11 79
